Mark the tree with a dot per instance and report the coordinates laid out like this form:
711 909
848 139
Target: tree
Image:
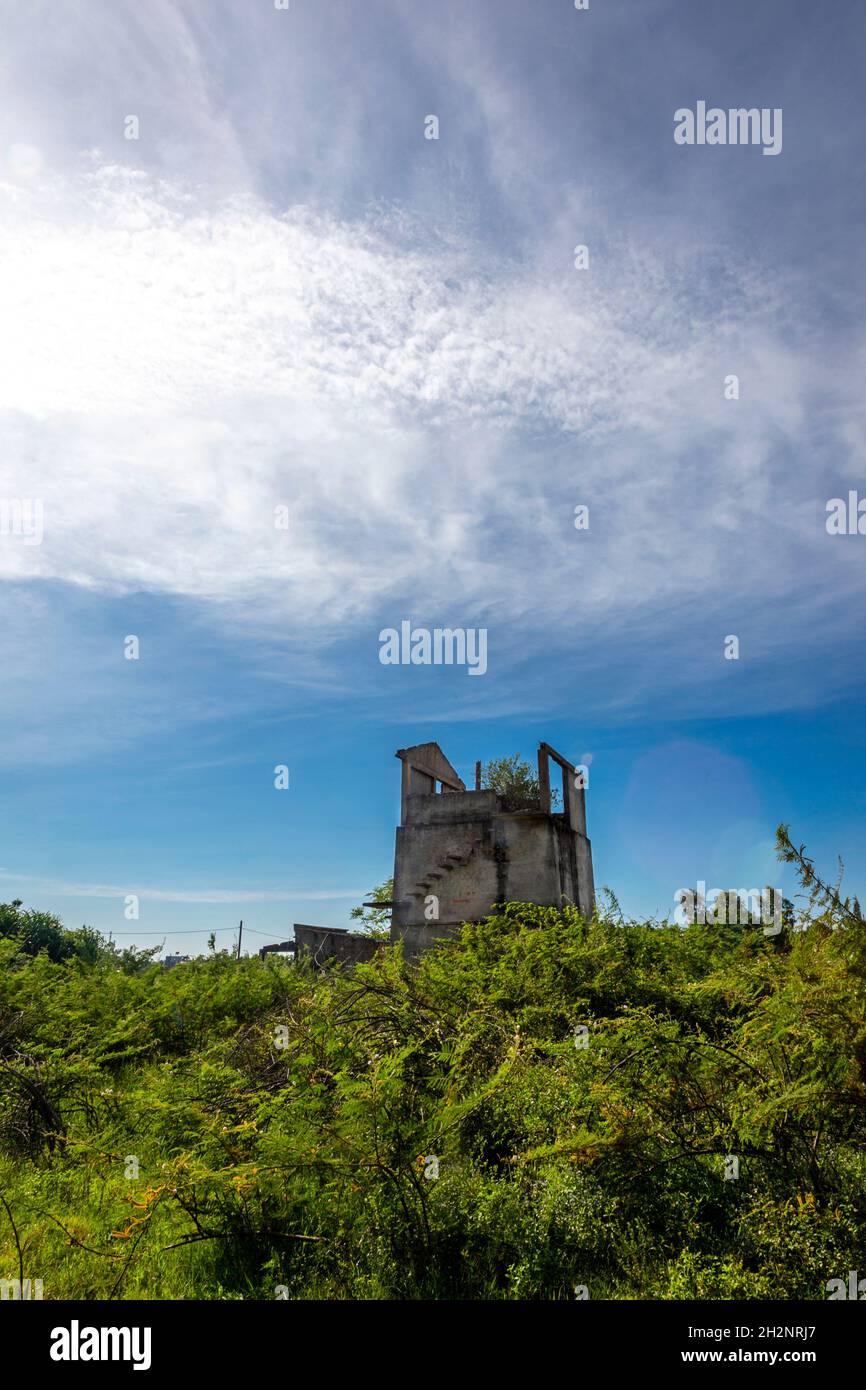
515 783
376 921
134 959
820 893
90 945
36 931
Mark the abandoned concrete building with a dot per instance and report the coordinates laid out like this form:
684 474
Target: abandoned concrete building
460 851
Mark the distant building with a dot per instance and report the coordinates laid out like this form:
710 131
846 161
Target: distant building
169 961
460 852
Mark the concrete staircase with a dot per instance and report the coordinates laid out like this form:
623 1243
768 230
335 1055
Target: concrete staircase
432 881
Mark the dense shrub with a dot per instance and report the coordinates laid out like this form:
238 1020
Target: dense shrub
565 1157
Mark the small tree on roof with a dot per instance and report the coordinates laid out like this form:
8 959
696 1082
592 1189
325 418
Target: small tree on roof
515 782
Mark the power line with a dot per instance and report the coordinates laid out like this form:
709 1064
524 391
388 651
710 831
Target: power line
187 931
198 931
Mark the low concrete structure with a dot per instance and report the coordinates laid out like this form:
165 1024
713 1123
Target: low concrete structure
460 852
325 943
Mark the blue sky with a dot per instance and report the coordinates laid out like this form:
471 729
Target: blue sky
282 294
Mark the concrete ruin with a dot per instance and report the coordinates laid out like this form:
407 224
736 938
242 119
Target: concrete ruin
460 852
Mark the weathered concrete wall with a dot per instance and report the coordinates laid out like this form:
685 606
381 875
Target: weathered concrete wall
544 861
446 850
326 943
465 851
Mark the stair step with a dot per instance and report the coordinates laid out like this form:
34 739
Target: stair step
445 867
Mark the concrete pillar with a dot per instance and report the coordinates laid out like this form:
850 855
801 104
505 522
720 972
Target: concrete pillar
543 780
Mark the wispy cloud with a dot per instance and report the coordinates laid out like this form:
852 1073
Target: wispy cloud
170 375
181 357
49 887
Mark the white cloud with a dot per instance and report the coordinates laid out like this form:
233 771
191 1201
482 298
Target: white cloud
172 370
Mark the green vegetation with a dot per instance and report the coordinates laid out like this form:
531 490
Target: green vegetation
283 1121
376 921
515 782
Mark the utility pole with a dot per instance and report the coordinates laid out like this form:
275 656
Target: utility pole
240 934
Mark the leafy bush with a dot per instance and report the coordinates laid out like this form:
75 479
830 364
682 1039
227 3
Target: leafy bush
513 781
577 1085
